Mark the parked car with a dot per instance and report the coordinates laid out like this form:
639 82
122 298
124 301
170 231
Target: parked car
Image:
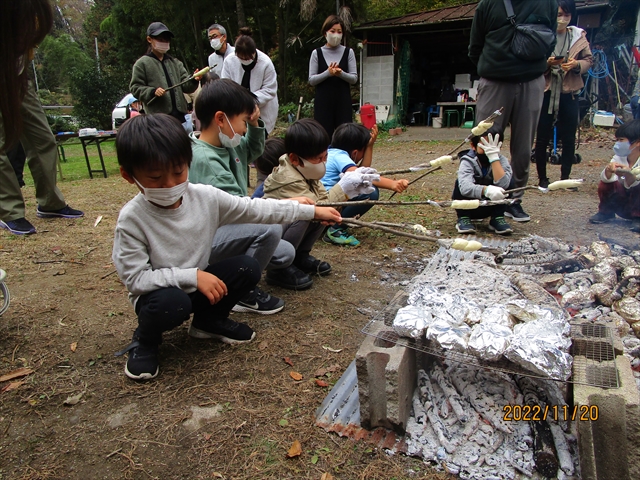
121 112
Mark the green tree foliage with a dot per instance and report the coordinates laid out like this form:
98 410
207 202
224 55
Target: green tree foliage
58 57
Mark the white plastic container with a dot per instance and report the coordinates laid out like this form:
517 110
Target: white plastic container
604 119
437 122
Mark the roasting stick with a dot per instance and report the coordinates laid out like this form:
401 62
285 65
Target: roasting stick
490 118
458 204
456 244
572 183
199 73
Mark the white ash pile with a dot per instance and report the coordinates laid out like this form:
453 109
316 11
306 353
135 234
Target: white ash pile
459 424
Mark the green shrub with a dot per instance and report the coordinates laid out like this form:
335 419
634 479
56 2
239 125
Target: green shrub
305 112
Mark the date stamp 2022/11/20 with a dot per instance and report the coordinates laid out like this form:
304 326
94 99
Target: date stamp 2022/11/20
519 413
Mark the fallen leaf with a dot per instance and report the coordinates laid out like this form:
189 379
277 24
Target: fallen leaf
217 475
321 372
296 376
283 422
321 383
263 345
21 372
73 399
95 224
331 349
326 476
315 459
57 250
207 436
59 272
334 368
295 450
288 361
12 386
74 345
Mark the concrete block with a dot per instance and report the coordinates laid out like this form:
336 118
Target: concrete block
386 381
609 446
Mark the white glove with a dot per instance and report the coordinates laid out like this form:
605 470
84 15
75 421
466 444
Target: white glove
359 181
494 193
491 147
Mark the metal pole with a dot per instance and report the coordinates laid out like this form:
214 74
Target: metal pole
337 7
97 54
35 75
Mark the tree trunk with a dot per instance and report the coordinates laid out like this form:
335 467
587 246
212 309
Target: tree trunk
242 19
282 49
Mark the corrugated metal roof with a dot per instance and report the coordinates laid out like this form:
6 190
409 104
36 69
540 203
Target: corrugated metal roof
450 14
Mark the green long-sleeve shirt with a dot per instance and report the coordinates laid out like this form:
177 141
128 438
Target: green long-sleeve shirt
226 168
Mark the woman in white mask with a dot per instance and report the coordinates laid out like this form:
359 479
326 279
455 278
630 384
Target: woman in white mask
254 70
570 60
332 70
156 71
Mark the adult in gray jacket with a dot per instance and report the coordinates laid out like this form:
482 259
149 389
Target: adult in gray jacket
156 71
332 70
510 82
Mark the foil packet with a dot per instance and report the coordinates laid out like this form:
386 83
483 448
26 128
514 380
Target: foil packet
412 321
448 336
525 311
541 348
497 314
489 341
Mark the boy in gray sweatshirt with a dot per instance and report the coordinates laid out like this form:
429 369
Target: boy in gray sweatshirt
163 241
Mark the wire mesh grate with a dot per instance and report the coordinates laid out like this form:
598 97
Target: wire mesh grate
592 349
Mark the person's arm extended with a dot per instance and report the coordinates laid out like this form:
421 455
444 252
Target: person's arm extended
398 186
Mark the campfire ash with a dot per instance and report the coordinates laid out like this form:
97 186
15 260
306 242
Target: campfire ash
476 308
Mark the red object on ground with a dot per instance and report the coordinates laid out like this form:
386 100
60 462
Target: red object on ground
368 115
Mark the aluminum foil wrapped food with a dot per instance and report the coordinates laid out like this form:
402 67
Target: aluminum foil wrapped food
600 249
474 313
583 297
448 336
497 314
489 341
540 347
605 272
412 321
526 311
628 308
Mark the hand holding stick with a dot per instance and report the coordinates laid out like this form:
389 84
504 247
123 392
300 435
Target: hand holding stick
198 74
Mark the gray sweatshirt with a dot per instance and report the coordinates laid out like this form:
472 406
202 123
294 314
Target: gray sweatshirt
332 54
156 248
472 180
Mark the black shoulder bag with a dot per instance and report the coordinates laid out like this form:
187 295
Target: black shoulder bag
531 41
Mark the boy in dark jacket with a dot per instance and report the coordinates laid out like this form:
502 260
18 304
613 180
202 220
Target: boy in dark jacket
483 174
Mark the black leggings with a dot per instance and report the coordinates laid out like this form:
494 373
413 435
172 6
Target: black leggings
166 308
567 125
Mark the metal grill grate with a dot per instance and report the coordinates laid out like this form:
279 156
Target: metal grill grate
592 350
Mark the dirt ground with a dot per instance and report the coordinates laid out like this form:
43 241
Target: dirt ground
217 411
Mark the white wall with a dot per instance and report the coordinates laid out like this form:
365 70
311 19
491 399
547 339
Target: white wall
377 80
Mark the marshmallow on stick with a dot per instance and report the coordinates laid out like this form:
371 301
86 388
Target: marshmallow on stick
441 161
482 127
466 245
565 184
465 204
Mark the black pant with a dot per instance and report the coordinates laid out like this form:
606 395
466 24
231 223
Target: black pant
166 308
480 212
567 124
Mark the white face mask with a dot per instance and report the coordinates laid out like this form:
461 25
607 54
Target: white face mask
246 62
216 43
162 47
334 39
164 197
225 140
312 171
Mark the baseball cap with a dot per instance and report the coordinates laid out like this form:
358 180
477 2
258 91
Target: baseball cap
157 28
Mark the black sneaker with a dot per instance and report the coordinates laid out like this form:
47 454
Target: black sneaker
516 212
543 183
464 225
142 363
602 217
66 212
257 301
291 278
20 226
500 226
227 331
310 264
